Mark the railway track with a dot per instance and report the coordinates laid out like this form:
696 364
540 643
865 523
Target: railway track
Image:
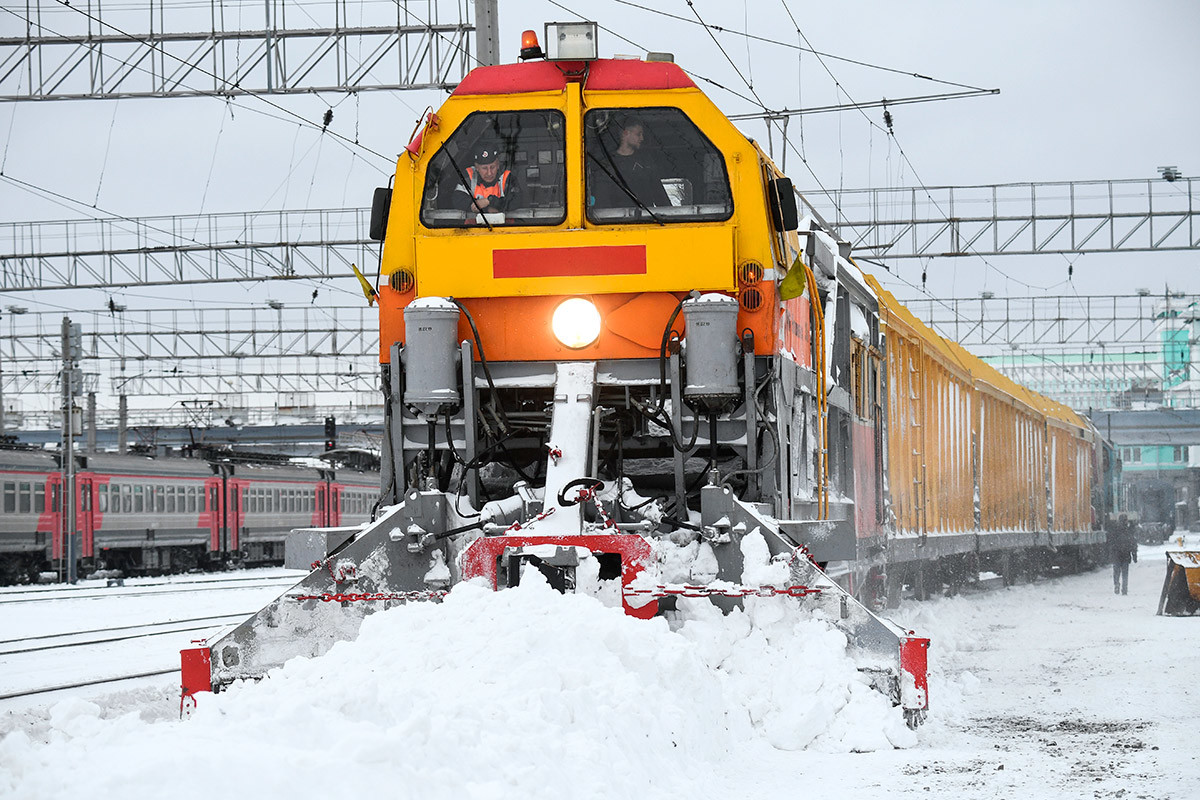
84 639
55 641
84 684
142 590
88 644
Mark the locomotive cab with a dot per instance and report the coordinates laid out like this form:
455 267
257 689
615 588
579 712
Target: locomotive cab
563 211
687 211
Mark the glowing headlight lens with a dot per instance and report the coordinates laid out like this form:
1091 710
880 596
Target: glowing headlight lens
576 323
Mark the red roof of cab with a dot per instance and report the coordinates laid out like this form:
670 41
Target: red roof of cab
548 76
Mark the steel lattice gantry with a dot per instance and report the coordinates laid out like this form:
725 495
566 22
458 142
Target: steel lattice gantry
1055 320
204 248
1093 217
226 352
180 49
1085 351
1017 218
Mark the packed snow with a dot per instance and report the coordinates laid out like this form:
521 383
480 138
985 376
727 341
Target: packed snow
1055 689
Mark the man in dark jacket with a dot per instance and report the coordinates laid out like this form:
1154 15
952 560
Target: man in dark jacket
1123 548
489 189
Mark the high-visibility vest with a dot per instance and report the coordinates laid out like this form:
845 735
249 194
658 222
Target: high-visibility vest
480 190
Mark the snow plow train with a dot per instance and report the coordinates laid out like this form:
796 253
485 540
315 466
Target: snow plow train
627 362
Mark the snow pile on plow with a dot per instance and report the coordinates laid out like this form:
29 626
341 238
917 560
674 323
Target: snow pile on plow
525 692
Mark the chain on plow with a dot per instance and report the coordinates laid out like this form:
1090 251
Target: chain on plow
685 590
354 597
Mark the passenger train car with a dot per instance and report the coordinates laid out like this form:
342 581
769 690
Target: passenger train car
139 514
644 367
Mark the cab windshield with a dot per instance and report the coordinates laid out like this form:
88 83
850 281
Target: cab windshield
652 165
498 169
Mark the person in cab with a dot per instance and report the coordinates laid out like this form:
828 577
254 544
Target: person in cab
488 189
625 175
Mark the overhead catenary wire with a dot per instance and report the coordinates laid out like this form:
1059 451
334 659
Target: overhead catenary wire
198 68
766 40
900 149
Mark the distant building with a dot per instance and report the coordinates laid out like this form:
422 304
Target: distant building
1160 455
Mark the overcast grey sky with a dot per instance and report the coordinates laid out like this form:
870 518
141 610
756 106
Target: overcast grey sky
1095 89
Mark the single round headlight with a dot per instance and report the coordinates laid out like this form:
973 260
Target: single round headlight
576 323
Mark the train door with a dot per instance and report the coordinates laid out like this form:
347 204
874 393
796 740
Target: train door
213 515
49 524
234 512
335 505
86 502
322 517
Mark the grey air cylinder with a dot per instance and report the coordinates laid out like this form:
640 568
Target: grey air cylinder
711 321
430 348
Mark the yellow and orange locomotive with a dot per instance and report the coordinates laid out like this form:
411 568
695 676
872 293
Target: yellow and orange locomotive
607 334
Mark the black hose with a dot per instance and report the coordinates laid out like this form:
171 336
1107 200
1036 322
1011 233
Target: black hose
487 373
591 483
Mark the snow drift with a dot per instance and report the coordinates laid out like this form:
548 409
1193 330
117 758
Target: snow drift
524 692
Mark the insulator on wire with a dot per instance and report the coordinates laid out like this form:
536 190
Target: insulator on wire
1070 271
887 119
328 118
924 274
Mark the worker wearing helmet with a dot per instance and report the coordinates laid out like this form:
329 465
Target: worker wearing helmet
488 189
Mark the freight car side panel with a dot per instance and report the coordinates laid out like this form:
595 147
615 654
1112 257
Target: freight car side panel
866 520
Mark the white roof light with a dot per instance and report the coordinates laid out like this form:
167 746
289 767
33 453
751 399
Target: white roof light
571 41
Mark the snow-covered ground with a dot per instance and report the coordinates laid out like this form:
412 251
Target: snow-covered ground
1057 689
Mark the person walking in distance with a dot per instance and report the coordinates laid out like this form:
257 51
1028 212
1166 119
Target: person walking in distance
1123 548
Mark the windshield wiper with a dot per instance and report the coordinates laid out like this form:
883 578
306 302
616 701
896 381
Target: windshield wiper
462 176
620 183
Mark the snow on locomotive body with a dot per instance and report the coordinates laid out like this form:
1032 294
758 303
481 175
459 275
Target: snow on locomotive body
139 514
634 362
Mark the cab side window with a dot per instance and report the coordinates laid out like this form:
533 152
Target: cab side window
503 168
652 165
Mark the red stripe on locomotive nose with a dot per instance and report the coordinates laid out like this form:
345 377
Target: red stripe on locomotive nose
565 262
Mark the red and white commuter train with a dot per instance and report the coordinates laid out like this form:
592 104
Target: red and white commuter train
142 514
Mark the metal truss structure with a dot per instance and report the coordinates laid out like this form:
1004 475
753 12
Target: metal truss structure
1105 377
1017 218
296 360
1088 352
1108 216
1054 320
185 249
173 48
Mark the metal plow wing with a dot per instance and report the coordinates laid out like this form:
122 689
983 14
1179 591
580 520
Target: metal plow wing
392 561
1181 588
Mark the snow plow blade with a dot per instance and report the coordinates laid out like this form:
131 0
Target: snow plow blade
392 561
406 556
895 659
1181 587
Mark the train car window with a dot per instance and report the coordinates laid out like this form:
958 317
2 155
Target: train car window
39 498
509 163
652 165
24 498
102 499
54 498
139 499
10 498
171 499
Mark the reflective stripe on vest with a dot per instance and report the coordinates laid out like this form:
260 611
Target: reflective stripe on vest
481 191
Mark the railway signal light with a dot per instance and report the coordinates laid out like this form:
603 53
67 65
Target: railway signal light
330 433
